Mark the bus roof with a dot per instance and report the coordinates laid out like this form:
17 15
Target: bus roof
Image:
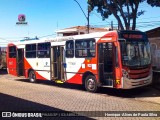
63 38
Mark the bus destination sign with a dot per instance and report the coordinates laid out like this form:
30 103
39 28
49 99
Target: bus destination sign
132 36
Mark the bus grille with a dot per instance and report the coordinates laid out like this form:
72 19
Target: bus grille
139 73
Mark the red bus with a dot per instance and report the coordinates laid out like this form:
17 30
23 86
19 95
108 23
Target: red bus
115 59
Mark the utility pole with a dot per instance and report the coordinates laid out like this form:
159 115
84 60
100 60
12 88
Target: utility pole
112 25
88 20
86 16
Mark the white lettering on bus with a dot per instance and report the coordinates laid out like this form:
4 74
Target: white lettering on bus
106 39
10 62
60 39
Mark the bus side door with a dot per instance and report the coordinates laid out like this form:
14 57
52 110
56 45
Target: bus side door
20 62
105 63
57 60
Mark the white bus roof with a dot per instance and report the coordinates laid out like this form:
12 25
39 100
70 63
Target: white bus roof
64 38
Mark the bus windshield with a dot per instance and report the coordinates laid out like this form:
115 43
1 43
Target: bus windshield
135 51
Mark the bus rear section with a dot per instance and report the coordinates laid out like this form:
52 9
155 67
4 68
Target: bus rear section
15 60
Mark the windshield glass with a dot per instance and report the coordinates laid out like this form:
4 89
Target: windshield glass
135 53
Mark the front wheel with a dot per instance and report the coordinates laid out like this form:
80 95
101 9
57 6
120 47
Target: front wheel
91 83
32 76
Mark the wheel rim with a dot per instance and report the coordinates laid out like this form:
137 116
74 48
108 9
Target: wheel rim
32 76
91 84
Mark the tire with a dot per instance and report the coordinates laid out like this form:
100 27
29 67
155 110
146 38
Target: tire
91 84
32 76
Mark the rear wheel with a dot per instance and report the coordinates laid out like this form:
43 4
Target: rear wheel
91 83
32 76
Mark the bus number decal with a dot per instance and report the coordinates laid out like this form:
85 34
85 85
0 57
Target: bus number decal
89 65
71 63
94 66
83 65
10 62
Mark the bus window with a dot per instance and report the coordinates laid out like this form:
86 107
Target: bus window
12 52
43 50
85 48
70 49
31 51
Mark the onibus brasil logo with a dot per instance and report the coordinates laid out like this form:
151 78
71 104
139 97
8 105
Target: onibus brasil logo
21 20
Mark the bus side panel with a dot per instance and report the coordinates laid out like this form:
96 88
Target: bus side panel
76 67
12 66
76 78
39 76
42 68
29 67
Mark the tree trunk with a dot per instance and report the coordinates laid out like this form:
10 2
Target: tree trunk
134 23
115 14
128 14
119 21
134 11
120 8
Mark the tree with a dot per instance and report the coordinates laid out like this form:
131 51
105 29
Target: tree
154 3
125 11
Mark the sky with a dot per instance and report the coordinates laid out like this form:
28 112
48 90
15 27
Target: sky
44 17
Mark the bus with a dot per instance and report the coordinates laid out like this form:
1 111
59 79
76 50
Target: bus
3 64
115 59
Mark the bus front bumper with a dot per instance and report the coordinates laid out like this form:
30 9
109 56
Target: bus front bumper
134 83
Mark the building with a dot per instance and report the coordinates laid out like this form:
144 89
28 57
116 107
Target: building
77 30
153 33
154 38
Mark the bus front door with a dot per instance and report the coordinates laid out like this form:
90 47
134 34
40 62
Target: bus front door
20 62
105 63
57 57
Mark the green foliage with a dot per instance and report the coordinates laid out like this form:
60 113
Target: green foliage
154 3
125 11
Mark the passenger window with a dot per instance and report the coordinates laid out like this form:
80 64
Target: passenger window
12 52
31 51
43 50
85 48
70 49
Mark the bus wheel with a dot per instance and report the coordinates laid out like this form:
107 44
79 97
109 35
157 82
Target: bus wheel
32 76
91 83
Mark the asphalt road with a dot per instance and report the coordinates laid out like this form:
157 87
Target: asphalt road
18 94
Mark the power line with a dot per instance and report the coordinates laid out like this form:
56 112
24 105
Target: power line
149 22
145 24
148 18
47 35
10 39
